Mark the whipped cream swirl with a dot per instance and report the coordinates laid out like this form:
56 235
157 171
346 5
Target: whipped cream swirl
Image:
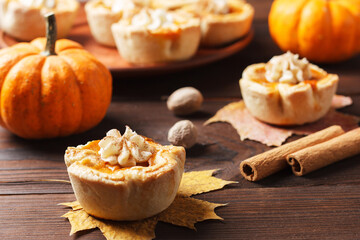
125 150
39 3
215 6
119 5
287 68
154 19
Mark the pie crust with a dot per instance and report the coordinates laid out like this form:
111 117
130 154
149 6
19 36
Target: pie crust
100 20
284 103
219 29
25 24
142 46
131 193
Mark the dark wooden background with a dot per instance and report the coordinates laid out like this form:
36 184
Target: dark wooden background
322 205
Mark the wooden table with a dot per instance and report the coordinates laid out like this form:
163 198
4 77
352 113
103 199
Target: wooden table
322 205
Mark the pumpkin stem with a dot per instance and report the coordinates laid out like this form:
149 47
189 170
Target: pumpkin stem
51 34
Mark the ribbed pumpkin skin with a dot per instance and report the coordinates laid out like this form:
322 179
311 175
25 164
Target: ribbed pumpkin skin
58 95
320 30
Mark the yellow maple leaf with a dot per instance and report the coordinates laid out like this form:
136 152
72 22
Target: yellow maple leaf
74 205
184 211
79 221
197 182
248 127
135 230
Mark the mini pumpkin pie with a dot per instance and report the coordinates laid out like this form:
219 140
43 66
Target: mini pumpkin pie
101 14
24 19
125 177
222 21
157 35
287 90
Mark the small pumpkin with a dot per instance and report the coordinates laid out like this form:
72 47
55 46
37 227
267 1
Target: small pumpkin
320 30
56 92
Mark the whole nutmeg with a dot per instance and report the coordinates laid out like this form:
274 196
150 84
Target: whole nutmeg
185 101
183 133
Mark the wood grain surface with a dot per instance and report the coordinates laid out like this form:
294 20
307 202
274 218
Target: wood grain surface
322 205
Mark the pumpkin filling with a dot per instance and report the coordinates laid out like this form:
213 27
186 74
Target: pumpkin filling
102 166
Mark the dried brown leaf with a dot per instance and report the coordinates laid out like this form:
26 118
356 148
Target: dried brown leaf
198 182
340 101
185 211
249 127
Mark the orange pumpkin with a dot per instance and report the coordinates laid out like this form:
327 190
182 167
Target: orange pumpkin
320 30
56 92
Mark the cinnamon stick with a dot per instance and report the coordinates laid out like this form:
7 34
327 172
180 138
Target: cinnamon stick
326 153
267 163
